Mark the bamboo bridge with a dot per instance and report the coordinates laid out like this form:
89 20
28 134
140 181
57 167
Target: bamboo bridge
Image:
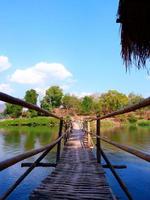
78 173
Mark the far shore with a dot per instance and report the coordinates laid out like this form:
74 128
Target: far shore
49 121
35 121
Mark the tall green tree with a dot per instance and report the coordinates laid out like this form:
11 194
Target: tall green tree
13 110
87 105
112 101
133 98
31 97
71 102
46 104
53 98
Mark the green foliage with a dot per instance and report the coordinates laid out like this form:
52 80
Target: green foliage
45 104
96 107
87 105
102 104
53 98
31 97
133 98
35 121
13 110
132 118
71 102
112 101
143 122
107 123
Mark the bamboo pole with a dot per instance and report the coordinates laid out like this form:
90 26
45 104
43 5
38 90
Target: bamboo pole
141 104
128 149
121 183
9 99
22 177
11 161
59 143
98 154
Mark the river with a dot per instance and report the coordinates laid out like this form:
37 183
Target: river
18 140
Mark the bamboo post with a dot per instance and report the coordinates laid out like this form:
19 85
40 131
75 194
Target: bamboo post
59 143
98 145
85 126
121 183
66 131
88 133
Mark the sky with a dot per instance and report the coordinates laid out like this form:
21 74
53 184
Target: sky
71 43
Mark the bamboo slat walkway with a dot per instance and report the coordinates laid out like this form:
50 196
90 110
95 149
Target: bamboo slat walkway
77 175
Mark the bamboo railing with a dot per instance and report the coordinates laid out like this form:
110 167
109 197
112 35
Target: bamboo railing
68 127
44 150
100 153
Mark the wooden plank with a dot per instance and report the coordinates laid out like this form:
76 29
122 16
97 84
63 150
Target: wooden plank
77 175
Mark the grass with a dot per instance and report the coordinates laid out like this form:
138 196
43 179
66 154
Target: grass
35 121
107 123
143 122
104 124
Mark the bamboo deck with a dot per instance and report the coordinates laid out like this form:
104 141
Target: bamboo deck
77 175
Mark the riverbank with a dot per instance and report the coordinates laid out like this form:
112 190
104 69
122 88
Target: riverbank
143 122
35 121
112 123
49 121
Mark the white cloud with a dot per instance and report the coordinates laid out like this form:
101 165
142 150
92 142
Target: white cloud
4 87
41 73
4 63
82 94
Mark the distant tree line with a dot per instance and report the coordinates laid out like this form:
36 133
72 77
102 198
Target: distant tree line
55 99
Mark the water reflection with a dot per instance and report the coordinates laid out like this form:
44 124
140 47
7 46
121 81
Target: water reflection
16 140
138 137
26 138
137 169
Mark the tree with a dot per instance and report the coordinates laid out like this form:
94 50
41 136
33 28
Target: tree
71 102
87 105
45 104
52 98
13 110
133 98
112 101
31 97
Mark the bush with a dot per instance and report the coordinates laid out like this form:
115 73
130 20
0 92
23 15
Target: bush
35 121
132 119
144 122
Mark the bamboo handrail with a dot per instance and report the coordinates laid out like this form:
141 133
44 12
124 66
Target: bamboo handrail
10 99
121 183
141 104
128 149
11 161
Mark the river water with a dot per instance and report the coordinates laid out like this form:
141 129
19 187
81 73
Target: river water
18 140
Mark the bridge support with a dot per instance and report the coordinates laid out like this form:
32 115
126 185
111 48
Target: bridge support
59 143
98 143
39 164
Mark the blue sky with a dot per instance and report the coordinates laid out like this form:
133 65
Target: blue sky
71 43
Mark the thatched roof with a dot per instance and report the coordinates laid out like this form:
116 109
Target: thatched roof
134 16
